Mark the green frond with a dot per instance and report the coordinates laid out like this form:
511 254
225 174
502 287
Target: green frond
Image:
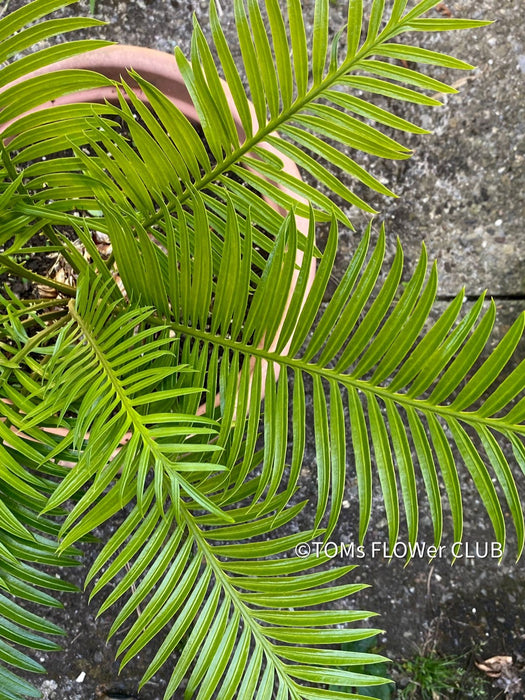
210 588
308 101
371 348
129 399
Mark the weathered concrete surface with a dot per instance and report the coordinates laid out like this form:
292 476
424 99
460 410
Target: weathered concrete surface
462 194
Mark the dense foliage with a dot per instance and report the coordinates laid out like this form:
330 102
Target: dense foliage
109 374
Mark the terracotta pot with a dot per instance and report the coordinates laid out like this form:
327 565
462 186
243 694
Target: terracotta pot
161 70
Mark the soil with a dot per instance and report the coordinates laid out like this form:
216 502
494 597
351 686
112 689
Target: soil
462 193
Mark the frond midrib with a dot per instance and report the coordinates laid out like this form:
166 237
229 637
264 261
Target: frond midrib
117 386
244 612
295 363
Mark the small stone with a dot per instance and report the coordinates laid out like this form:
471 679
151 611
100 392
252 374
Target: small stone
48 690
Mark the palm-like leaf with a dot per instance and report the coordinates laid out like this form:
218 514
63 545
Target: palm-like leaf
369 349
211 586
311 102
127 406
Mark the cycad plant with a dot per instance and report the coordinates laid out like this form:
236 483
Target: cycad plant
134 383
